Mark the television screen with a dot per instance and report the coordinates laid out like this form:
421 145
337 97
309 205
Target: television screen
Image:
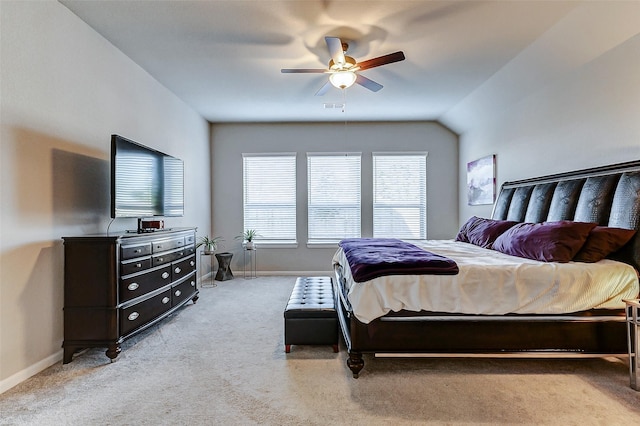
144 182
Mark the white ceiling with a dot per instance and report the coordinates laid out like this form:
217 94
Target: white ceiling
223 58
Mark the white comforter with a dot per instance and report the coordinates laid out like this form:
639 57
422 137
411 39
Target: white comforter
493 283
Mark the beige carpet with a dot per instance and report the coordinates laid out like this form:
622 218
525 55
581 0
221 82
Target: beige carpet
222 362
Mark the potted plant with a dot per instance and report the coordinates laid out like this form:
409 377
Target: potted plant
210 244
247 238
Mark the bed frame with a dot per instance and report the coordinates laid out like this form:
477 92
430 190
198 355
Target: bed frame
608 195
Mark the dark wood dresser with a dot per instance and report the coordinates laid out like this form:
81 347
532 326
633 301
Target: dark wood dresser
118 285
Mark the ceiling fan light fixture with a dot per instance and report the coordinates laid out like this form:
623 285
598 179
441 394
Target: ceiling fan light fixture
343 79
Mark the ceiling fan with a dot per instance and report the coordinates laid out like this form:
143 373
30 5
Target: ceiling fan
343 69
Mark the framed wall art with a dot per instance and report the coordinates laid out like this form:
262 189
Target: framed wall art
481 181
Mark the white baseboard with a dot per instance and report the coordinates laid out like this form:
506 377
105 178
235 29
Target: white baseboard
294 273
34 369
210 276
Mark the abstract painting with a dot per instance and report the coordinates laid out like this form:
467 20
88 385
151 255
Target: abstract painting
481 181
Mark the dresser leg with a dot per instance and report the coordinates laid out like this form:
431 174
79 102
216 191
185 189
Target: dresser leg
68 352
113 352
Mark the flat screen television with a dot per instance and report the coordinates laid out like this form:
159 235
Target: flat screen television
144 182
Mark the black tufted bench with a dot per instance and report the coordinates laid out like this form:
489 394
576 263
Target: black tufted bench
310 317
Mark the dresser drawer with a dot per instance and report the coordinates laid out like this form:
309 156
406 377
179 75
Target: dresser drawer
183 267
183 291
168 244
133 251
140 284
160 259
137 315
189 239
136 265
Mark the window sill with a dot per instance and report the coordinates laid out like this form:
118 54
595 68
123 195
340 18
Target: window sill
271 245
322 244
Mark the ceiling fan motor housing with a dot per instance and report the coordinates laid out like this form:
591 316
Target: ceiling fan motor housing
349 63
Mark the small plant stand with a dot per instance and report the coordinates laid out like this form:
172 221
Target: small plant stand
207 274
250 261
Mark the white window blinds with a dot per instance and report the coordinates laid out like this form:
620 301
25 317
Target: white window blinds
333 196
400 195
269 183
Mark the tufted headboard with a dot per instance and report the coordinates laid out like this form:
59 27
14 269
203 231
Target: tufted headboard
607 195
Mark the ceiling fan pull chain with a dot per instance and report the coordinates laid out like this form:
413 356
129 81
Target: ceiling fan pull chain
344 102
344 111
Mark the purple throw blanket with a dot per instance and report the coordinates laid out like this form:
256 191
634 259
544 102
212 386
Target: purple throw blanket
370 258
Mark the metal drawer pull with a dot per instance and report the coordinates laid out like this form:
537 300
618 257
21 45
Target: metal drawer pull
137 251
193 283
165 300
138 265
177 270
133 286
165 275
160 259
192 263
178 293
133 315
181 253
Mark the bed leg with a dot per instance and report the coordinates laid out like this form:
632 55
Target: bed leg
355 363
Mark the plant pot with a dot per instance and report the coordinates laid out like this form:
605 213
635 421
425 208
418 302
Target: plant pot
250 245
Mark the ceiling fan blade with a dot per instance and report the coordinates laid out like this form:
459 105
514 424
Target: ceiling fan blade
368 83
335 49
302 70
324 89
381 60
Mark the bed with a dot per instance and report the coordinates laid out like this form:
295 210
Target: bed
558 306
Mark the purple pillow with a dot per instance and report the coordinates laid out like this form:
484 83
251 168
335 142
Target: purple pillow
462 233
547 241
602 242
483 232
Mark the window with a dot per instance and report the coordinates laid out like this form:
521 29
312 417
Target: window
400 195
334 196
269 182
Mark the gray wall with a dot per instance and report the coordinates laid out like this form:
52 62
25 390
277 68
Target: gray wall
229 141
555 107
64 91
